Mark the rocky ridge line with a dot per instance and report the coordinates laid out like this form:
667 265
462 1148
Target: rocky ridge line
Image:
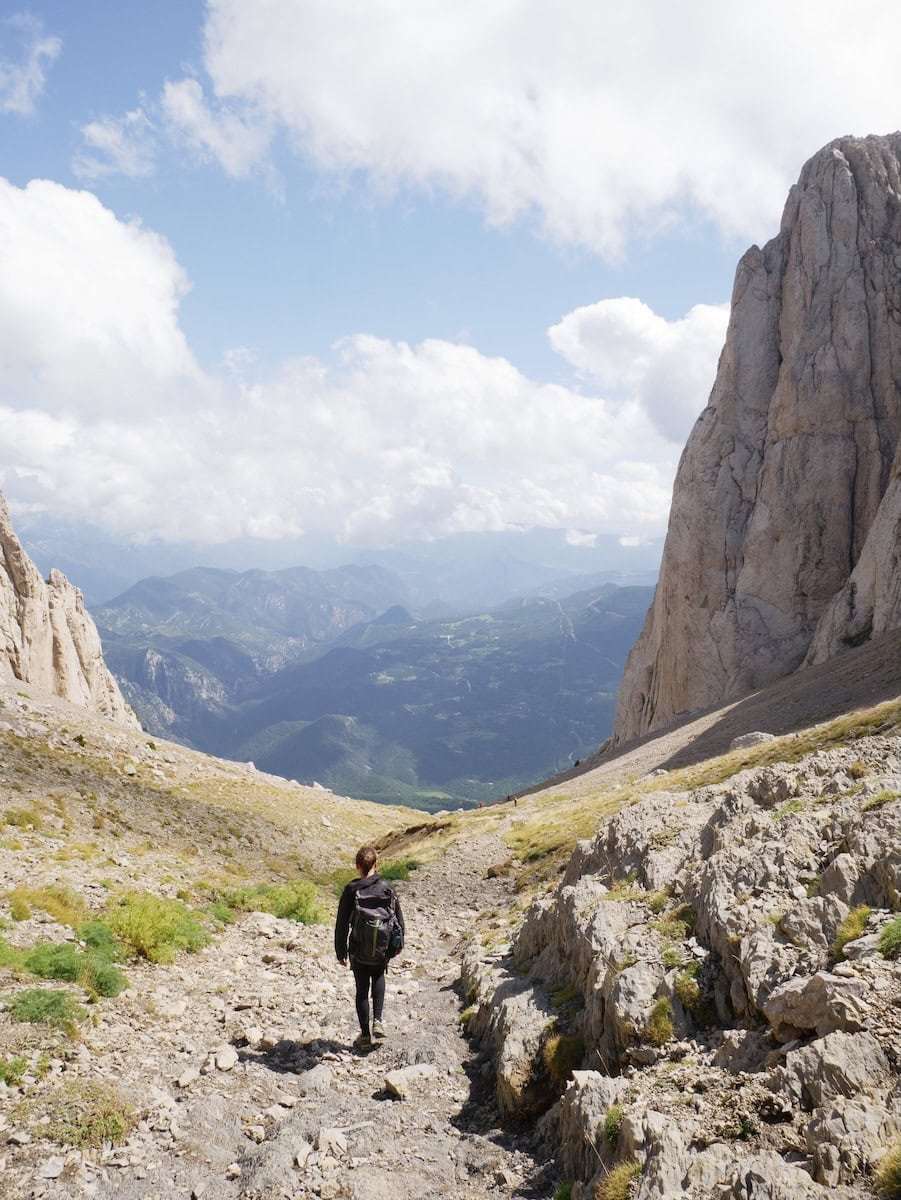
784 529
47 638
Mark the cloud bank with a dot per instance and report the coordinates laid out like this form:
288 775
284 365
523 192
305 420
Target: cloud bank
108 417
597 121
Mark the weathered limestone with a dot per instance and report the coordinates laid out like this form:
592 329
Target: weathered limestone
783 534
47 638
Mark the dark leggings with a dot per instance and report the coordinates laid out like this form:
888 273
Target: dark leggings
364 976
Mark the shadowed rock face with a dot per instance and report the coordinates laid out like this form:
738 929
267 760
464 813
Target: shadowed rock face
787 506
47 638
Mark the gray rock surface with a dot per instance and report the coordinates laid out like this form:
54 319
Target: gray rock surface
47 639
783 534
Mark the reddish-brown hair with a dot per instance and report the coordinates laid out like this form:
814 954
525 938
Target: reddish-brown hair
366 859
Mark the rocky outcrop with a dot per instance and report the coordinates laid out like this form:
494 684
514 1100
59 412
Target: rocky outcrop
783 536
721 967
47 638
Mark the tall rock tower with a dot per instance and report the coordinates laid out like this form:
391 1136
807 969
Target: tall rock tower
783 540
47 638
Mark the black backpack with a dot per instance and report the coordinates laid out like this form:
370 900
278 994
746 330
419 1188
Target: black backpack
375 932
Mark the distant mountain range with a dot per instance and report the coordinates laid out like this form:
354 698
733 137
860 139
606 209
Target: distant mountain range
330 676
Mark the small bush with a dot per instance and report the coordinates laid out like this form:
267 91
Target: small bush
613 1119
672 957
657 901
91 969
887 1180
660 1029
618 1184
12 1070
156 929
687 991
89 1115
851 928
98 936
562 1054
563 1191
858 769
41 1006
399 870
890 939
786 810
292 901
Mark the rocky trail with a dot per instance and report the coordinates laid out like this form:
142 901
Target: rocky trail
239 1062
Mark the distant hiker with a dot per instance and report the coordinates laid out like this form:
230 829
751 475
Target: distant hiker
369 929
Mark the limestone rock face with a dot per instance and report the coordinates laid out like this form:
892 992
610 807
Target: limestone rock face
47 638
783 534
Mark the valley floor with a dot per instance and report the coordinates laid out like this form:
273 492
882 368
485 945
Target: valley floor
239 1061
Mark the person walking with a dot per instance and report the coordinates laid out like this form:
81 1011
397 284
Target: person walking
369 930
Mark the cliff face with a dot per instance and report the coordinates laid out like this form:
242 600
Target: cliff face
47 638
783 536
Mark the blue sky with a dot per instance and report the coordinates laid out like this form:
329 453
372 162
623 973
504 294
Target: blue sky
395 270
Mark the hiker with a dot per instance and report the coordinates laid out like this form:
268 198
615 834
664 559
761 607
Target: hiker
369 929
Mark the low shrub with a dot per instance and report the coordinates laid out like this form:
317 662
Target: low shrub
851 928
154 928
890 939
660 1029
89 1115
887 1180
89 968
12 1070
292 901
563 1191
43 1006
398 870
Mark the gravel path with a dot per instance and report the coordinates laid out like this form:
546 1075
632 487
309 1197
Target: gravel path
239 1062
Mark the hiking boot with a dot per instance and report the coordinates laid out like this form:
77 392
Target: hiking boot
363 1042
378 1030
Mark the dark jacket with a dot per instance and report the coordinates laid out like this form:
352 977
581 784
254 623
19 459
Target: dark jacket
346 911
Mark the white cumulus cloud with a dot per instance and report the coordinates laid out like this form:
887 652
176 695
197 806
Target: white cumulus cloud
627 349
23 77
107 416
600 120
88 305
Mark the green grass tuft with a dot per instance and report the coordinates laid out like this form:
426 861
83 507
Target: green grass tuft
890 939
613 1119
618 1183
851 929
887 1180
563 1191
879 800
660 1029
562 1054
